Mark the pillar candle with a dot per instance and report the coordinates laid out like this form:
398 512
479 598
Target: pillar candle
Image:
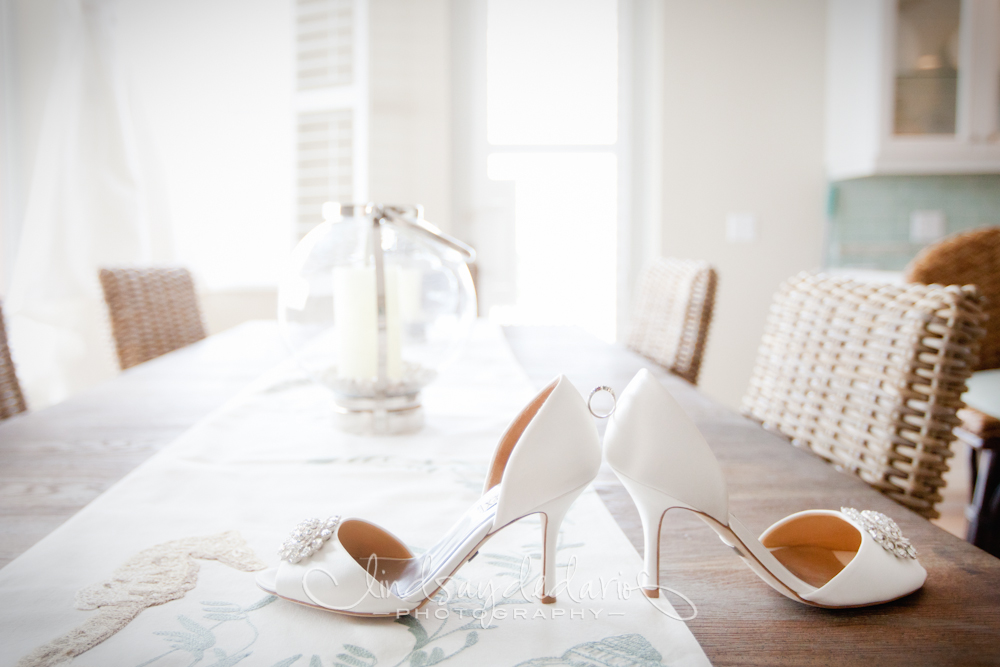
355 314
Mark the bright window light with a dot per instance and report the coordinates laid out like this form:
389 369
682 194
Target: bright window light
565 238
552 124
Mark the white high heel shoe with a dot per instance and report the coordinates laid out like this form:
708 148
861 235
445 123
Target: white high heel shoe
823 558
545 459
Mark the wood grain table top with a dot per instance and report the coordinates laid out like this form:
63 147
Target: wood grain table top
55 461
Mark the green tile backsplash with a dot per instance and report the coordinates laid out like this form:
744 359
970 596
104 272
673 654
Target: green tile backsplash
869 218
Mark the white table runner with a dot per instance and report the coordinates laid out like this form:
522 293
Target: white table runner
271 457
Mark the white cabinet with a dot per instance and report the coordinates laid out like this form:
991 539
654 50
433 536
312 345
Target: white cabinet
913 87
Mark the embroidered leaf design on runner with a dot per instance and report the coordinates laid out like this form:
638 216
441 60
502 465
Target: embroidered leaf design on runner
416 629
263 602
359 657
223 611
360 652
621 651
225 660
508 565
195 641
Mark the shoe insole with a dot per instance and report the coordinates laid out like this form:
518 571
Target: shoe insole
813 565
404 577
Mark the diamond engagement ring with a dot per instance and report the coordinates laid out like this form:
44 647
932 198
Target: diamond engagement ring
613 398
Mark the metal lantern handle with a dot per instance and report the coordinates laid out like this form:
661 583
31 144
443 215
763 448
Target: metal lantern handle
399 216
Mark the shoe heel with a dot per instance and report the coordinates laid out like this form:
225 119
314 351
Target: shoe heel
652 505
553 513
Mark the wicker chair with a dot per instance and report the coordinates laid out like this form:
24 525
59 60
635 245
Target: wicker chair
673 313
869 377
974 258
970 258
11 398
153 311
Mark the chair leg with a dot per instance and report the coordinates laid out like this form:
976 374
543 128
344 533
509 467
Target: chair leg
973 476
984 511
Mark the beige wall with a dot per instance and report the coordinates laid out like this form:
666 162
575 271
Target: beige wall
224 310
213 82
743 132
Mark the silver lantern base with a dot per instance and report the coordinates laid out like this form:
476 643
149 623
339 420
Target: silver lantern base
358 409
395 415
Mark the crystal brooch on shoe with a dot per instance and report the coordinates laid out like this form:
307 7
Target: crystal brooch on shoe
307 538
883 529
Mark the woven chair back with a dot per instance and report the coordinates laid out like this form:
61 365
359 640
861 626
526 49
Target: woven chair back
153 311
970 258
672 314
869 377
11 398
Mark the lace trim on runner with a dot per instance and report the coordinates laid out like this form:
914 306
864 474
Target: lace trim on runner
152 577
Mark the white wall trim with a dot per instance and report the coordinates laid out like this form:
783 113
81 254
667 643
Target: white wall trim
627 59
11 204
640 146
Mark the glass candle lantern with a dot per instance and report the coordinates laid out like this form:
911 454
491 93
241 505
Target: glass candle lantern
373 303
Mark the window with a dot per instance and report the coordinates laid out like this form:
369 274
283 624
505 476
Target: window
552 131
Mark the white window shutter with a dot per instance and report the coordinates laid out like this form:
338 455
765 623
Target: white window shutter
331 104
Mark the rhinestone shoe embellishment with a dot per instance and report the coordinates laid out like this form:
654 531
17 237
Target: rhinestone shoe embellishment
307 538
883 529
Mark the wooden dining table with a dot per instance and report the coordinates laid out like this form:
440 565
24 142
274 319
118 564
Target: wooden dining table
54 461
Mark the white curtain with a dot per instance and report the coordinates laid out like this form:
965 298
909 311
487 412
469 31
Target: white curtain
93 201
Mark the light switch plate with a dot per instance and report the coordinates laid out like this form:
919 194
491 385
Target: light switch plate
741 227
927 226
